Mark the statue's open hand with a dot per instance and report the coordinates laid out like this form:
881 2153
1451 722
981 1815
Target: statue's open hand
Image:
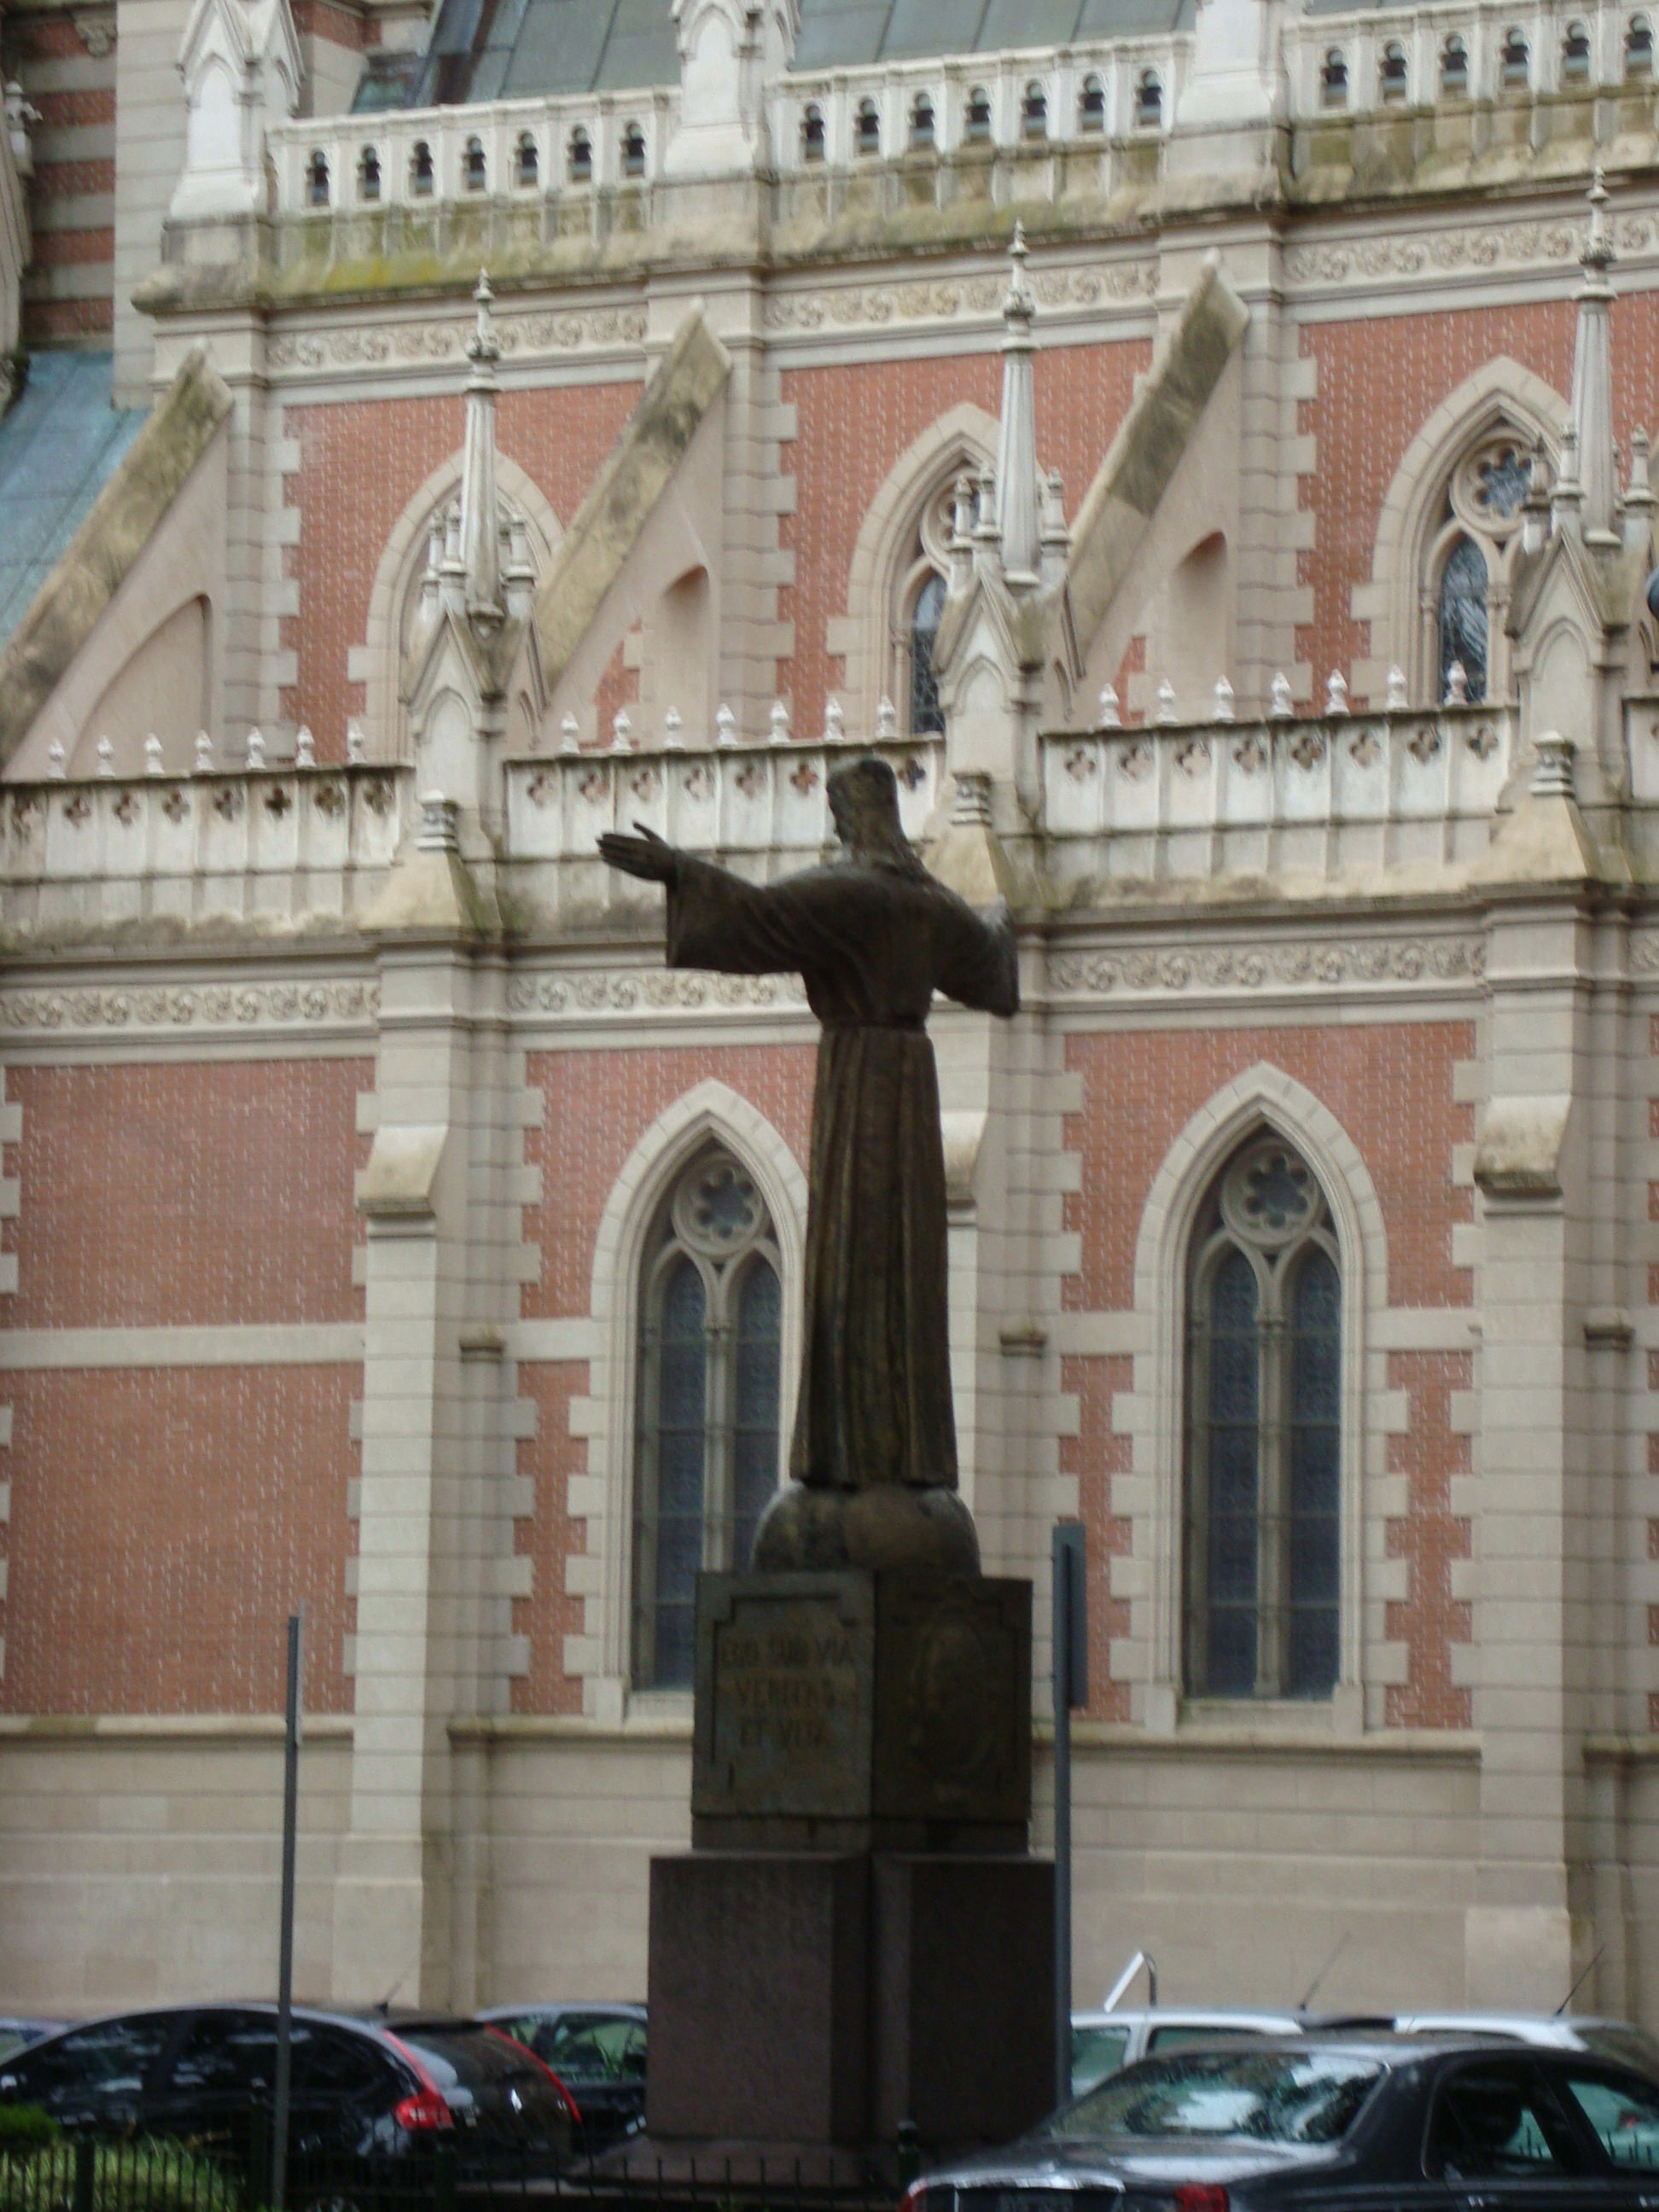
647 855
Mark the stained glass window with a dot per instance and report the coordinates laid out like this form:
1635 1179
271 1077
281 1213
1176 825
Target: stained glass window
926 713
1261 1552
1463 618
710 1368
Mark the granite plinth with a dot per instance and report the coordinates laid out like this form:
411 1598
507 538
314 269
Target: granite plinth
852 1711
818 1998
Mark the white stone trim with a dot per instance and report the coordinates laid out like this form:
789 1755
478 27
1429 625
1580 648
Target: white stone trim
710 1109
378 661
1151 1415
964 437
1500 390
303 1344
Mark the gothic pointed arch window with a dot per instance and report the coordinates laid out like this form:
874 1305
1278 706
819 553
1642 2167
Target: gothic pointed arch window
1262 1549
708 1443
918 603
1467 570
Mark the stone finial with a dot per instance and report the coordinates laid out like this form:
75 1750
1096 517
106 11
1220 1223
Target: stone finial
673 731
1224 700
58 761
621 731
106 749
1457 685
1111 717
356 744
305 748
972 802
1166 702
725 727
1638 492
835 722
439 831
1336 693
570 736
256 748
153 754
203 753
1552 775
1017 471
1280 705
886 722
777 723
1396 700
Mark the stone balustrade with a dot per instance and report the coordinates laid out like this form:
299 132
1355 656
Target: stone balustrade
249 843
763 805
1315 796
1455 52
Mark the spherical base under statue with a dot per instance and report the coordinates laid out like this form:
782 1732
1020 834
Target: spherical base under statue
887 1527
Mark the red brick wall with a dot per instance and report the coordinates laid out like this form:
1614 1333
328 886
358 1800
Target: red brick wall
852 424
548 1615
599 1104
1095 1455
1379 381
360 462
202 1192
1389 1084
164 1523
1429 1620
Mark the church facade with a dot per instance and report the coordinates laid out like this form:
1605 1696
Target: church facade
1206 455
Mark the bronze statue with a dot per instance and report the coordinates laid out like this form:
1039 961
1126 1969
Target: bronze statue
873 1459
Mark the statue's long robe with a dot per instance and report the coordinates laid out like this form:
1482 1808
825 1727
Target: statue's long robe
872 942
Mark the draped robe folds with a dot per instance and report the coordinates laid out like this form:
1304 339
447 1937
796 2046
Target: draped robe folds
873 941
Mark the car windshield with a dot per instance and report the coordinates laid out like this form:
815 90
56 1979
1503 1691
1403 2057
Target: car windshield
1626 2046
476 2062
1254 2096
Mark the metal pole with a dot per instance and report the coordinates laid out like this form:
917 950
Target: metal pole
285 1947
1071 1687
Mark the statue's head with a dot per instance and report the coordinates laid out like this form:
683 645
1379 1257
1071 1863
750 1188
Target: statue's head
863 806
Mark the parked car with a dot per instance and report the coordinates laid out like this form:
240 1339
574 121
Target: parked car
598 2050
1334 2123
1103 2043
15 2031
363 2089
1621 2040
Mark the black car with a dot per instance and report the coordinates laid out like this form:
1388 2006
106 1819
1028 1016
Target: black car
1332 2124
362 2090
598 2050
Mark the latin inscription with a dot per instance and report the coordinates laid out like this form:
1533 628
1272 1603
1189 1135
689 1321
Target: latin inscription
791 1695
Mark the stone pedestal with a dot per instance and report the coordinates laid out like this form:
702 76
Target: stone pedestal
810 1998
857 1938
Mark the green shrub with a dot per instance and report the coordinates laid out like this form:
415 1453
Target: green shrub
126 2176
25 2129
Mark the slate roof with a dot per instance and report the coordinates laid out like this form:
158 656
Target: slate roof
509 49
59 446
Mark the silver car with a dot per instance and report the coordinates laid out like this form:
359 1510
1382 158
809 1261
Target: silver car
1104 2042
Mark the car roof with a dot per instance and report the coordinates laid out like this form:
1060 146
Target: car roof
1529 2026
1284 2023
618 2008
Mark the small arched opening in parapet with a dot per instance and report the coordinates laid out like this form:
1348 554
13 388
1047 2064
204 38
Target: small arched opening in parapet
1092 105
1033 112
1454 68
317 182
866 138
1392 74
476 167
812 146
368 175
1575 55
921 124
1149 100
579 161
422 179
527 162
1515 63
1334 79
1638 47
632 151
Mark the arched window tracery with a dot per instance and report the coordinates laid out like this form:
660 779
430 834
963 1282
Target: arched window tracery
1261 1533
708 1445
918 603
1470 555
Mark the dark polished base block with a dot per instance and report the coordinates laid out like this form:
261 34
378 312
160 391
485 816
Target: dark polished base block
821 1999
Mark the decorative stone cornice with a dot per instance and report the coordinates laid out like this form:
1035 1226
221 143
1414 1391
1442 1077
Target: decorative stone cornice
579 993
347 1002
945 299
399 343
1301 962
1486 245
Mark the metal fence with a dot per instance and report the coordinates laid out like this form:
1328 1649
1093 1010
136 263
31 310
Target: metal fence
83 2172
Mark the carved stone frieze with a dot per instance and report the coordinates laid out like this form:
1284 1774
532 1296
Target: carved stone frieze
1255 967
561 331
919 299
190 1006
600 990
1487 246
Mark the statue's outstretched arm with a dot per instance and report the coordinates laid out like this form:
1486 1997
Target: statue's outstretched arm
980 966
647 856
